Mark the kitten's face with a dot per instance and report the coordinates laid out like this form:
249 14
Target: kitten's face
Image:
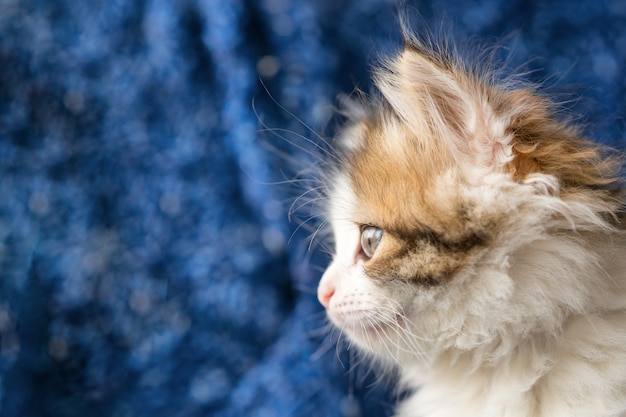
450 215
409 231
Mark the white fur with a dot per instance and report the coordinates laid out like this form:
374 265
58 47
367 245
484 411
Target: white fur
534 324
536 327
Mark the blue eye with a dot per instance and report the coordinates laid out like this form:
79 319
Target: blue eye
370 239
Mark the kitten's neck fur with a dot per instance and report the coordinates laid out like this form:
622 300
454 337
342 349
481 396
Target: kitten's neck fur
555 371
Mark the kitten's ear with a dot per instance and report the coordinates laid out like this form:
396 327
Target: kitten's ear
434 92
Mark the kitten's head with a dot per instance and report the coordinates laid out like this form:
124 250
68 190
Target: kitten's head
459 209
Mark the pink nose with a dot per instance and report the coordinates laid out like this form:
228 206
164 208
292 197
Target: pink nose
324 295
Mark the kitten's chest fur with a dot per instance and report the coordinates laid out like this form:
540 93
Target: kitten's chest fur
479 245
578 373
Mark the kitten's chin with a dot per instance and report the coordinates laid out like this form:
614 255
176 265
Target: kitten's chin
366 330
366 338
351 324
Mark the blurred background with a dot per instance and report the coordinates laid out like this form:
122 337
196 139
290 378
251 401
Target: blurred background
148 264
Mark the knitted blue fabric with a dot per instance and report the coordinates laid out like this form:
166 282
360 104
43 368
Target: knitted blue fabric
148 266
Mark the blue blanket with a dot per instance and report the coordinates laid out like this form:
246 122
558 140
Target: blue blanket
149 154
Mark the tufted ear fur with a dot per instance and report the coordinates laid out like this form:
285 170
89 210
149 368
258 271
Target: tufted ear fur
357 109
440 98
488 125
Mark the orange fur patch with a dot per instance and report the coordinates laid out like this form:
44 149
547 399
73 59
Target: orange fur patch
432 111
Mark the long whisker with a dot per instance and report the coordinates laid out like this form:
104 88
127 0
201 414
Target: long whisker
328 153
315 190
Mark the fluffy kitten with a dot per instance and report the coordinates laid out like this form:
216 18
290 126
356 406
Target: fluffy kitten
480 245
